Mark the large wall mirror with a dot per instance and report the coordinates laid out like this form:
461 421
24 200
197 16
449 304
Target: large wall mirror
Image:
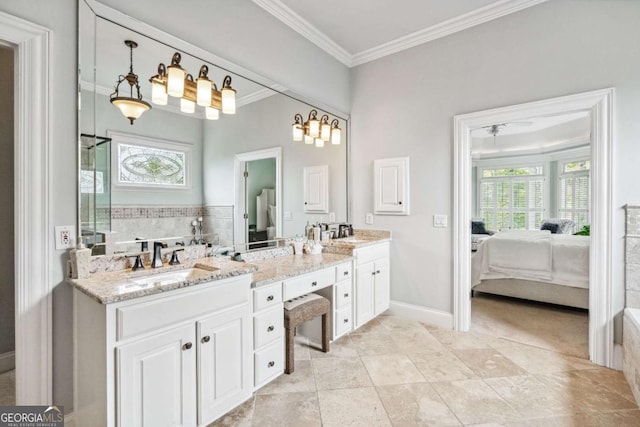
180 176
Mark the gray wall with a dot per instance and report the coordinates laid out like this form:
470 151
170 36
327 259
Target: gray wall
262 174
556 48
61 18
7 286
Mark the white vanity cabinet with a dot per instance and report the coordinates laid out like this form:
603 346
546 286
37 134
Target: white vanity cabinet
372 285
183 357
268 334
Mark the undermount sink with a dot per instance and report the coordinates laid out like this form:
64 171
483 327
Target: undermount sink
168 277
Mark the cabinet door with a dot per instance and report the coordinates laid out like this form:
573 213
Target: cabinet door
382 282
391 182
316 189
364 293
156 380
224 362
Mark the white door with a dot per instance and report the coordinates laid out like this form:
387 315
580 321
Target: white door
391 186
316 189
224 362
365 275
382 281
156 380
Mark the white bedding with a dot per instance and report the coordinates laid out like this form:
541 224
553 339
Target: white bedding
533 255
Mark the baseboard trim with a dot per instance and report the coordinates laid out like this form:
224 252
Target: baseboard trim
7 361
422 314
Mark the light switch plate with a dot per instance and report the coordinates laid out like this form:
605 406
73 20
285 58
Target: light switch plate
287 215
65 236
369 218
440 221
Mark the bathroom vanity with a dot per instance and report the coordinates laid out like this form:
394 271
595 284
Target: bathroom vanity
186 344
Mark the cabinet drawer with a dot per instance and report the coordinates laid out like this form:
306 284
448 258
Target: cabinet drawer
342 320
343 294
343 271
269 362
268 327
308 283
140 317
370 253
267 296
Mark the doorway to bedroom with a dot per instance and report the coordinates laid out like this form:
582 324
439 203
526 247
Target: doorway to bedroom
523 185
529 231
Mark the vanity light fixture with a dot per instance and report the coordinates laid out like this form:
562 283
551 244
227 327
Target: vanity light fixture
315 131
175 81
130 106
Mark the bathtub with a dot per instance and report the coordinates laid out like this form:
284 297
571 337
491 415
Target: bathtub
631 349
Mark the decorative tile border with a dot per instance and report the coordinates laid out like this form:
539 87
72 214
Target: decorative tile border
155 212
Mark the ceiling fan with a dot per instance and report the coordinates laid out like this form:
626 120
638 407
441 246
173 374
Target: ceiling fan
495 129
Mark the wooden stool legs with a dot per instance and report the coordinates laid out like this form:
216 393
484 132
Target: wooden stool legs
290 333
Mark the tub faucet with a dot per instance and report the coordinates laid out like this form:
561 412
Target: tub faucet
157 254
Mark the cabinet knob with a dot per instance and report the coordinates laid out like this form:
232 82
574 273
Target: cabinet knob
271 364
270 328
400 202
206 338
377 271
346 273
346 295
314 283
187 346
346 320
305 203
373 273
270 298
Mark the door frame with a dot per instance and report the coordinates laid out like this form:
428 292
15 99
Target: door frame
239 235
33 240
599 104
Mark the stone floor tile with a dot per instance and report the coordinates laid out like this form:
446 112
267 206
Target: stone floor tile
336 373
540 361
239 417
302 379
488 363
441 366
352 407
391 369
287 409
415 405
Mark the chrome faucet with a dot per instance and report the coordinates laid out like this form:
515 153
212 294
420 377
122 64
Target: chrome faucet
157 254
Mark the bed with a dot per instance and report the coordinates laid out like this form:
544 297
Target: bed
533 265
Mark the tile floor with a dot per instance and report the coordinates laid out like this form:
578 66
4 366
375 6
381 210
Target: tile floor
8 388
394 371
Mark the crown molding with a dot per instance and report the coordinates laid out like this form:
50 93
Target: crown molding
476 17
305 29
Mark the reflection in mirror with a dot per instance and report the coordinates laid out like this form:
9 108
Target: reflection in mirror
165 140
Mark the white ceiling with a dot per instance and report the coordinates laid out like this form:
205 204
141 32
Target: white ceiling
359 31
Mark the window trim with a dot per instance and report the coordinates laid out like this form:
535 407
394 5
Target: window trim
562 174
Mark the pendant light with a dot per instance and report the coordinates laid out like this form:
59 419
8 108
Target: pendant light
130 106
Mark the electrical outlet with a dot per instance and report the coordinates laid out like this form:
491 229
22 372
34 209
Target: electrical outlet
369 218
332 217
440 221
287 215
65 236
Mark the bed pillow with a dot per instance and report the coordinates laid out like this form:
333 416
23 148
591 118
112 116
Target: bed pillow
477 227
553 228
564 226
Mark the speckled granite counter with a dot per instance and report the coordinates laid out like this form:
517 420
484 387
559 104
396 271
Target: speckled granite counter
114 286
360 239
272 270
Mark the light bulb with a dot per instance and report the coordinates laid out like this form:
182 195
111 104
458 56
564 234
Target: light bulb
158 93
211 113
187 106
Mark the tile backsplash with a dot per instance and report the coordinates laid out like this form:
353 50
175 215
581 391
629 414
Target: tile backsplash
632 256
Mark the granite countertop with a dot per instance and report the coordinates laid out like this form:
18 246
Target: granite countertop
275 269
360 239
115 286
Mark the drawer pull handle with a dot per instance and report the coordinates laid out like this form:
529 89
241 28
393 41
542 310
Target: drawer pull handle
346 273
270 328
271 364
206 339
270 298
314 283
187 346
346 295
346 320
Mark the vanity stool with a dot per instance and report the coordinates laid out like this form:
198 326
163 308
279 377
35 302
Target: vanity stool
301 309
